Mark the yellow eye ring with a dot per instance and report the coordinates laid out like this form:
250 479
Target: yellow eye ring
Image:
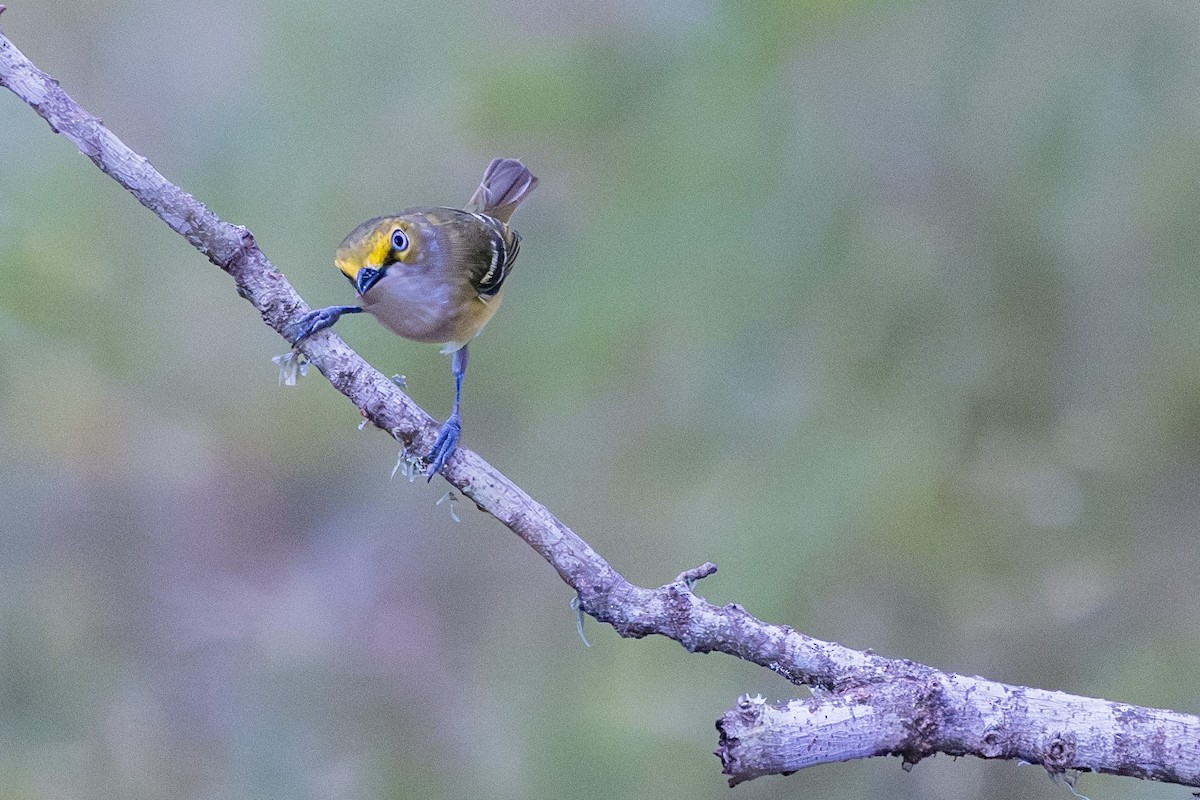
399 241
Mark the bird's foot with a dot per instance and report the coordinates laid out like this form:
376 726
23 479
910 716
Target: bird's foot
445 444
315 321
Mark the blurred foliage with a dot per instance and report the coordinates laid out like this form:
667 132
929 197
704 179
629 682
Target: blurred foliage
887 308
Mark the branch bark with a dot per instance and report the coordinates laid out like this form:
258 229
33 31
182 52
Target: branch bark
916 711
863 704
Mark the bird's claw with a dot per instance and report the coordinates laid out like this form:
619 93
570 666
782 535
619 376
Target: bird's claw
314 321
304 327
443 446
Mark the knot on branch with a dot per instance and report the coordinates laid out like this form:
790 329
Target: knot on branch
992 744
923 727
1058 753
750 708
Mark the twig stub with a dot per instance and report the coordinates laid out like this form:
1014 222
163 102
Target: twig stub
694 574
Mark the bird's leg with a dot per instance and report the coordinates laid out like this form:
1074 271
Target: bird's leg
314 321
447 438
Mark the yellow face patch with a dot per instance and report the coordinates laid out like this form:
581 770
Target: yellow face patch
376 243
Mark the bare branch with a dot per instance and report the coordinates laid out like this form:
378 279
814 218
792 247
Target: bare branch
865 705
917 712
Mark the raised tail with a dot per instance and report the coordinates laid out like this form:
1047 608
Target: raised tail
506 182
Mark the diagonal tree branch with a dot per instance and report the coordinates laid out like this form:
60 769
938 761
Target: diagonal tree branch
863 704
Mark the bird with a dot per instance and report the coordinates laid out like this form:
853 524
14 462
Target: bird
434 275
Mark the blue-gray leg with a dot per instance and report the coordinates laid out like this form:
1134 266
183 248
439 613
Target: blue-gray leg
315 321
447 438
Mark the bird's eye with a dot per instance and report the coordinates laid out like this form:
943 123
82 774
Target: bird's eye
399 240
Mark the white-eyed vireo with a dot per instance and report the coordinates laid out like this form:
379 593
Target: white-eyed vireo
434 275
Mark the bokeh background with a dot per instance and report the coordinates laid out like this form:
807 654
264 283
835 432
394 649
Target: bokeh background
889 309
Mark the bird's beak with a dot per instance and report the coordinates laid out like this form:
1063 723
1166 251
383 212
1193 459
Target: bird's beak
366 278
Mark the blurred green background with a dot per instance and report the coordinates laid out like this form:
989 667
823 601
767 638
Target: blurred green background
889 309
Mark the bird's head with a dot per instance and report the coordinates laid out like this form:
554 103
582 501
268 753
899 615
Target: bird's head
374 246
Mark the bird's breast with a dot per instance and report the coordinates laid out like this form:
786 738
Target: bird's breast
425 308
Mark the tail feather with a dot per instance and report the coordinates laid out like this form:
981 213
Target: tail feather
506 182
